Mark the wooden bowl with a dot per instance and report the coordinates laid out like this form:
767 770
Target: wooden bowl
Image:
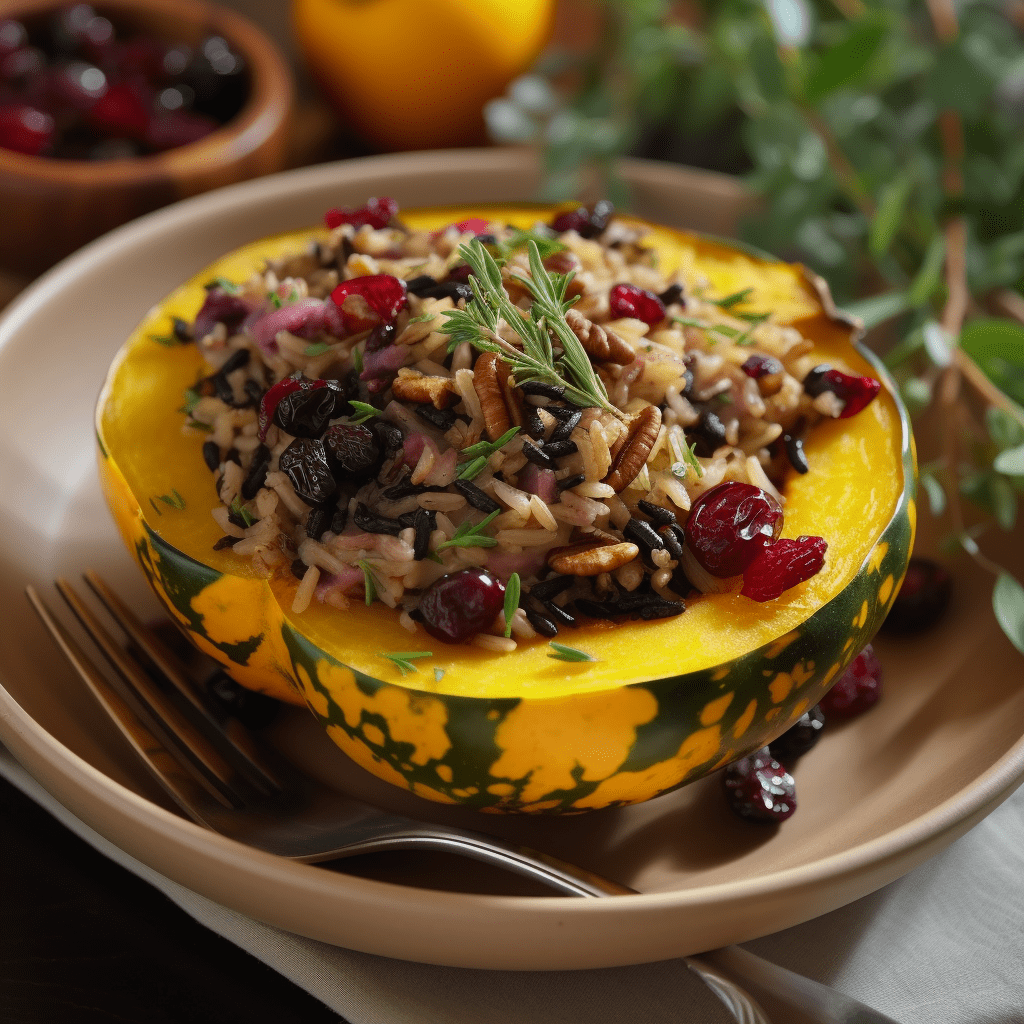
53 207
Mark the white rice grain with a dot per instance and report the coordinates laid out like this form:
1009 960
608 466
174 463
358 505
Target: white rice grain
306 589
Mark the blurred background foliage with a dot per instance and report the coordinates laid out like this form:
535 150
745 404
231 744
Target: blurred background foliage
884 142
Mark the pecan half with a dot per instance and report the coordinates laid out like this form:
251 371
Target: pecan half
602 345
591 559
496 391
630 451
410 386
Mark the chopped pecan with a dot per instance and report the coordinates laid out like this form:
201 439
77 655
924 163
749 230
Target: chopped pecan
410 386
602 345
591 559
496 391
630 451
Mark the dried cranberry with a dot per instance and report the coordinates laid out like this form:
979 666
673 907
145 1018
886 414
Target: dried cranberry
638 303
457 606
855 392
276 394
759 789
25 129
858 689
922 599
476 225
758 366
119 112
377 214
783 565
351 449
304 411
731 525
173 128
383 296
799 737
588 223
305 463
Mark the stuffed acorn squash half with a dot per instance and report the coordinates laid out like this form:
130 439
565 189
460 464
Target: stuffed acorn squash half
625 704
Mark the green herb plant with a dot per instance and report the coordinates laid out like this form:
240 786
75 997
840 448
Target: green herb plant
882 144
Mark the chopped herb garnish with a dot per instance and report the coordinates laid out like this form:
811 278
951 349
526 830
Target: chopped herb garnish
734 299
474 468
239 509
562 653
357 359
156 507
364 412
369 584
403 660
191 401
174 499
224 285
317 349
276 301
480 322
207 428
488 448
470 536
512 590
422 319
167 340
754 318
722 330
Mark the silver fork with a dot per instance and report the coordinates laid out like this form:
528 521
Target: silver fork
223 778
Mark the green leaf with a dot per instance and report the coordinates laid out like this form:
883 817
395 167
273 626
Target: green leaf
562 653
469 535
846 63
1010 461
733 299
876 309
512 591
167 340
363 411
239 509
369 583
317 349
892 203
488 448
1008 605
357 359
936 494
174 499
403 660
473 468
929 276
191 401
1004 430
997 346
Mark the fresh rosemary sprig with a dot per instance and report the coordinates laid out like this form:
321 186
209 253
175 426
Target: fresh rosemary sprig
175 500
490 308
479 453
470 536
369 583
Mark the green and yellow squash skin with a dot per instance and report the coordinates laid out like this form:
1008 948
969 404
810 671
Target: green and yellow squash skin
665 702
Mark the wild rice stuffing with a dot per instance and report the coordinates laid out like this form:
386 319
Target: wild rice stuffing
376 449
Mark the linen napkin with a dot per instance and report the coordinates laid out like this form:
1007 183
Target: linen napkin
943 945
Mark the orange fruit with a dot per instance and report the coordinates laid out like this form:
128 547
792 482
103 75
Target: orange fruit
407 74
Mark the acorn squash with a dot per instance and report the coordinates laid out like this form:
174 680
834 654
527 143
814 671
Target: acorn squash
665 701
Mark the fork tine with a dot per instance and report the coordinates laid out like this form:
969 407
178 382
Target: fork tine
237 739
179 780
181 733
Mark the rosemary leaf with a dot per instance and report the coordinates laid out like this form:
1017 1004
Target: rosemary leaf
364 412
403 660
512 591
469 535
562 653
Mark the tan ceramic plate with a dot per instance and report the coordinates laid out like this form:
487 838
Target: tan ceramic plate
876 797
